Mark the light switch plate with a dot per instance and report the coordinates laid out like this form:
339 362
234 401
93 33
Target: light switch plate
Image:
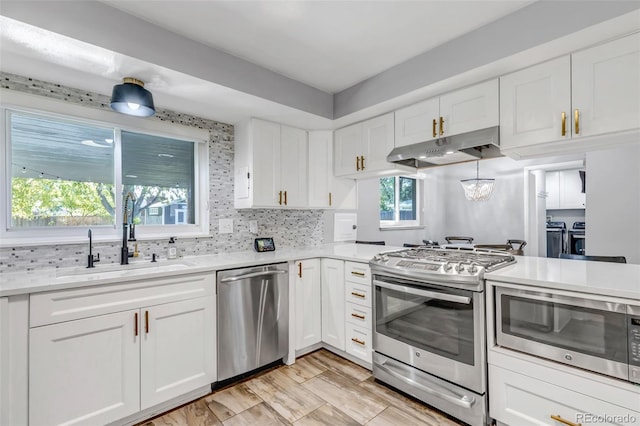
225 226
253 226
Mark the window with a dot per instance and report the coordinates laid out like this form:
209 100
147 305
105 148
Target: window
66 173
399 202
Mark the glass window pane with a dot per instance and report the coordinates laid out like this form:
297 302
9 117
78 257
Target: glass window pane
159 172
387 198
61 172
407 199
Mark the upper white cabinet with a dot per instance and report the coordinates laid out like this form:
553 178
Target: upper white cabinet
270 165
564 190
559 105
325 190
471 108
308 293
360 150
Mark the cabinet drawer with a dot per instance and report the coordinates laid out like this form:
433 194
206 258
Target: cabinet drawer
65 305
358 315
357 273
521 400
358 294
359 342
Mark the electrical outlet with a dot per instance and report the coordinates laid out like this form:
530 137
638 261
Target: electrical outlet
253 226
225 226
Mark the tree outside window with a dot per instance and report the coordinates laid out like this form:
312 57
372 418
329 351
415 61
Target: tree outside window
398 201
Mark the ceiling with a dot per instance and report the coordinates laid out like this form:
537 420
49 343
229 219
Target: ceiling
330 45
294 62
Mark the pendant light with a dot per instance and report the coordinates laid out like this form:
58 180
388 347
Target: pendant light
132 98
477 189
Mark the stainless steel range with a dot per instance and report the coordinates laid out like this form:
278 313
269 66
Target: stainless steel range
429 331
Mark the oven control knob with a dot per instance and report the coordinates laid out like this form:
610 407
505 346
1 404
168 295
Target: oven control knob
377 258
447 267
385 257
459 268
473 268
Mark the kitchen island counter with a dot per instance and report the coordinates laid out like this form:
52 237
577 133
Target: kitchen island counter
49 279
588 277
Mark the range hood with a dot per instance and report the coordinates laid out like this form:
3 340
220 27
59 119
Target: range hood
460 148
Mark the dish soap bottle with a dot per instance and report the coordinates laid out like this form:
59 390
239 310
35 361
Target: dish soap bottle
172 253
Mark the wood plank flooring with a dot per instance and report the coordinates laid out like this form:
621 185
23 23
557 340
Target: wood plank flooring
320 389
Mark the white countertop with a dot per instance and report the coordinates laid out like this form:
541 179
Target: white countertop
600 278
64 278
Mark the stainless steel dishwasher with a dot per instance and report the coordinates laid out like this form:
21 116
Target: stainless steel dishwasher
253 318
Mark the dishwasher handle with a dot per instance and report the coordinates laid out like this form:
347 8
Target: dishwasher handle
252 274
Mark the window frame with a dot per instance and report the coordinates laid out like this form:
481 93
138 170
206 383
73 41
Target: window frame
403 224
18 102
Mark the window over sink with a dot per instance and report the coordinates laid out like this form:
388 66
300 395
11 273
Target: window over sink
65 173
399 202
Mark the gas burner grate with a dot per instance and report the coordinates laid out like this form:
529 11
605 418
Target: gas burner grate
486 259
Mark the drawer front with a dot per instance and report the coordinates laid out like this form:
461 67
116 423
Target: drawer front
357 273
521 400
66 305
359 342
358 293
358 315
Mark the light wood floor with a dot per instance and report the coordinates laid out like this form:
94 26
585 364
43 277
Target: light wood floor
321 388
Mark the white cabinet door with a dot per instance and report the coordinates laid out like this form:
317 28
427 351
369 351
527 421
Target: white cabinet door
293 166
320 170
571 195
532 102
333 305
266 163
177 352
85 371
469 109
308 290
377 140
552 187
417 123
606 87
347 150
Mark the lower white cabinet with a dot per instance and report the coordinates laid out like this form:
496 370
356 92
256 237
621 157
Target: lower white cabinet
308 294
357 293
103 368
333 305
520 400
359 342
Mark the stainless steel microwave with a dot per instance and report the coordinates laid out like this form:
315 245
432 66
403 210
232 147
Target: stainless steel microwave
603 337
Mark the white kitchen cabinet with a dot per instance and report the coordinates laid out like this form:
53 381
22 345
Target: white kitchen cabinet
524 400
85 371
461 111
333 304
14 355
270 165
605 82
325 190
177 351
93 359
358 313
564 190
360 150
308 293
563 105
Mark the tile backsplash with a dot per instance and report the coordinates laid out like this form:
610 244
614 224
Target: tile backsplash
289 228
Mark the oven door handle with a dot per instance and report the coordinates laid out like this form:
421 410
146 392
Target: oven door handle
426 293
446 394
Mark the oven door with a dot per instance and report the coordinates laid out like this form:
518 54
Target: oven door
584 333
433 328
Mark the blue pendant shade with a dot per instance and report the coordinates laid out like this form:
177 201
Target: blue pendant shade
132 98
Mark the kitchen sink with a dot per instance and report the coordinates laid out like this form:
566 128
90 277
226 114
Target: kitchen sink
114 269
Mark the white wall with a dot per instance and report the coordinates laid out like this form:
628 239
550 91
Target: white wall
447 211
613 203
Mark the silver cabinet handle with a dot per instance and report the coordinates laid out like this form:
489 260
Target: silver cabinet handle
461 400
252 274
425 293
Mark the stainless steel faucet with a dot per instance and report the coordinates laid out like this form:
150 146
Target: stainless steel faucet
124 251
91 259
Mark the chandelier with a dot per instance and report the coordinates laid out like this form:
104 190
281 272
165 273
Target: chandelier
477 189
